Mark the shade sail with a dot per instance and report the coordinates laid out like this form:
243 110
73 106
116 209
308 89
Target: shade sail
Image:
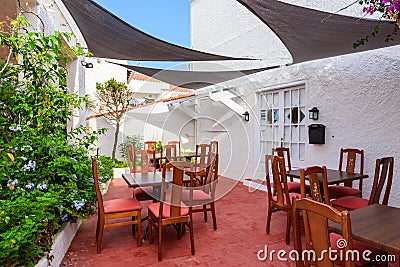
108 36
310 34
192 79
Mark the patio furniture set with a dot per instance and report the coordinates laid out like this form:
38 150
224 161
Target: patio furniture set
177 185
364 224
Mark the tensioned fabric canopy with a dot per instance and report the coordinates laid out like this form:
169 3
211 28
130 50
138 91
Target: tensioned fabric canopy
192 79
107 36
310 34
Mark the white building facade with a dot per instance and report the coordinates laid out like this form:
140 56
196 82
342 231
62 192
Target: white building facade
357 95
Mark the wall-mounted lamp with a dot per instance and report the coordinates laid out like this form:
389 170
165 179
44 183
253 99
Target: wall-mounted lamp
87 65
313 113
246 116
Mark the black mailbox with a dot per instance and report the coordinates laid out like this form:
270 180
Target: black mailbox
316 134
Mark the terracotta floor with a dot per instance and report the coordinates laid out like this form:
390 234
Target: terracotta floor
241 217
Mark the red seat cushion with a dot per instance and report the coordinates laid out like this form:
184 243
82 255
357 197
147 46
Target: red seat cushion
293 187
197 195
121 205
143 193
154 208
291 195
343 191
357 245
350 202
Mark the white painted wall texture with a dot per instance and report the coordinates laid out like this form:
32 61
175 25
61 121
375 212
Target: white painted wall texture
357 94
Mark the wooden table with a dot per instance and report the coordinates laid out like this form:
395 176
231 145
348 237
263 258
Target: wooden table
146 179
333 176
376 225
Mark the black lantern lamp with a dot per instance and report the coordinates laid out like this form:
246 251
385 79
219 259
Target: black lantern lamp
313 113
246 116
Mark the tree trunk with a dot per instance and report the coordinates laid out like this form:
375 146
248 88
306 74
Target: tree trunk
115 141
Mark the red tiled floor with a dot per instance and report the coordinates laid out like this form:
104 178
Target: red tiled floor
241 218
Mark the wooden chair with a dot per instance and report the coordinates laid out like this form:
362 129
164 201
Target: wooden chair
279 197
311 174
130 152
202 160
284 153
171 210
177 145
214 147
383 174
146 165
115 209
169 153
351 155
315 217
202 198
150 145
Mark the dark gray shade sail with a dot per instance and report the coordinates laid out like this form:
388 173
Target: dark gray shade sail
310 34
192 79
107 36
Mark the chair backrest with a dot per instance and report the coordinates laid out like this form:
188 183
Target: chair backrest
146 159
130 152
202 152
315 217
283 152
211 179
383 174
279 188
174 197
168 152
177 145
214 147
312 174
150 145
351 155
97 187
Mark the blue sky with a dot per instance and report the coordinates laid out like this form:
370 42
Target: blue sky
168 20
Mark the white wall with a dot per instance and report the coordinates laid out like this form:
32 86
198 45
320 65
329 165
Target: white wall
154 122
357 94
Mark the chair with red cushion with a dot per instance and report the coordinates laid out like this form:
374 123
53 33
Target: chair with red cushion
146 159
202 198
202 160
115 209
284 153
279 198
171 210
177 145
351 155
315 193
315 216
150 145
383 175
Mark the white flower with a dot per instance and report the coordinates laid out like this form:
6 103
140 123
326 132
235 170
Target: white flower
78 204
15 128
30 185
42 186
30 166
23 158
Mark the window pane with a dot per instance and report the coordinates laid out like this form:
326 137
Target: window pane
286 133
302 151
287 116
295 134
276 100
295 97
294 151
287 98
302 130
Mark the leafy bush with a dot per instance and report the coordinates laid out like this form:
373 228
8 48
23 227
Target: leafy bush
45 170
136 140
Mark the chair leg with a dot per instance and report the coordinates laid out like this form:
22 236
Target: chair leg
179 231
139 229
205 212
191 234
288 224
133 227
214 217
269 218
159 241
100 236
150 230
